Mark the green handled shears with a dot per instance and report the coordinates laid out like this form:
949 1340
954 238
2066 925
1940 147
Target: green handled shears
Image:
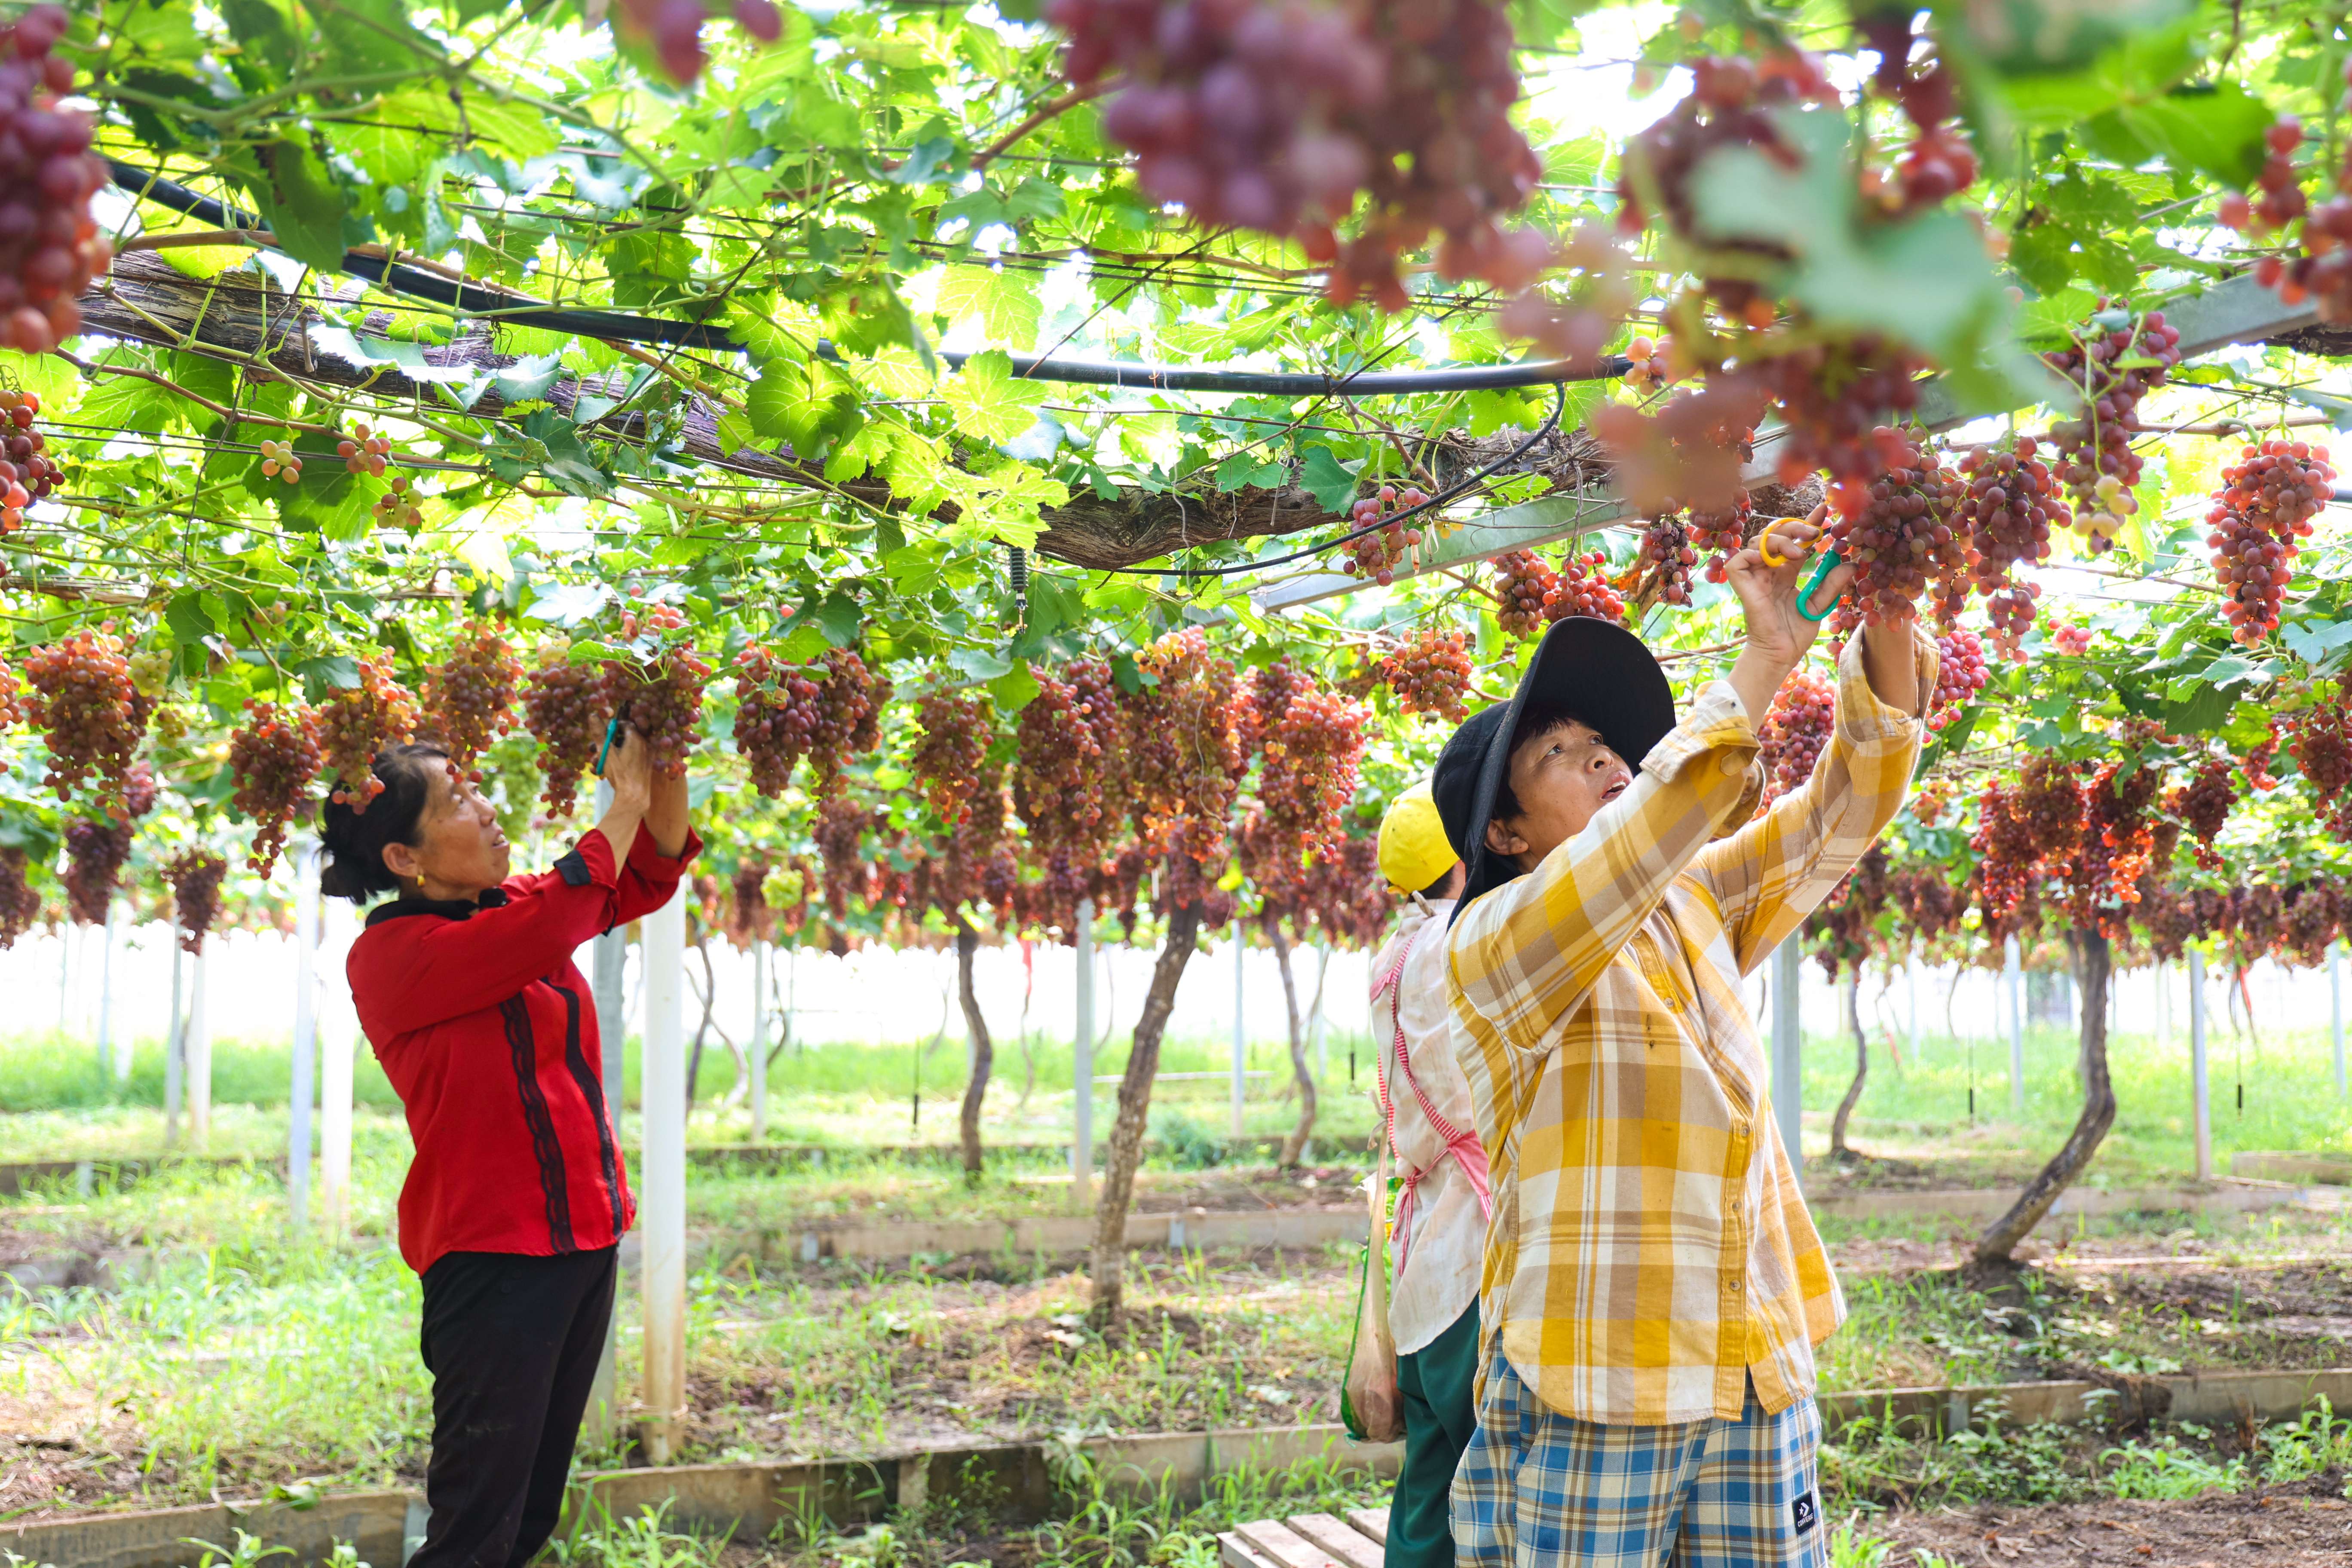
1831 561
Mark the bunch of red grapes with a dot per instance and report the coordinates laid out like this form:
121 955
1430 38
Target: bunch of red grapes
2120 362
273 756
776 716
2260 516
50 247
1832 397
469 699
363 452
1309 776
1723 531
2282 200
195 879
140 792
1667 559
1066 768
1271 688
1430 673
87 708
95 852
1929 803
2314 915
2050 799
2009 853
1961 674
2319 739
1275 117
1691 453
957 730
564 708
1187 749
1524 591
1896 530
355 722
658 691
2322 273
673 29
2203 804
1795 731
2117 842
14 709
2071 639
1375 556
25 473
1585 590
838 833
1938 163
2008 510
20 902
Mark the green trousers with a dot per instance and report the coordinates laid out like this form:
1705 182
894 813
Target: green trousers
1439 1420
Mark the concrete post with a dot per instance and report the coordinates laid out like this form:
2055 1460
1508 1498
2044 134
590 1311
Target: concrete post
1240 1039
67 934
2013 971
199 1046
662 1095
608 964
1082 1069
1788 1052
110 1052
1911 981
759 1064
2199 1092
301 1090
2335 1010
338 1039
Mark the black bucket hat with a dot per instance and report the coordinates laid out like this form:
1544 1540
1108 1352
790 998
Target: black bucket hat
1597 672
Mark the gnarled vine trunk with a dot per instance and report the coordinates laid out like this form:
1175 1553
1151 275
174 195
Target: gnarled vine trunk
2097 965
1294 1146
984 1052
1838 1150
1107 1268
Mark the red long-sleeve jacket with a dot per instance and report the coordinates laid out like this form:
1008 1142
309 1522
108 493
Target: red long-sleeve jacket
488 1032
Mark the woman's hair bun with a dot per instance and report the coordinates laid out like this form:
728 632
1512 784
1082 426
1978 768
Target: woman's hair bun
355 840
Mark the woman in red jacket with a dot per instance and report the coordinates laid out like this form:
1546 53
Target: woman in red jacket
517 1198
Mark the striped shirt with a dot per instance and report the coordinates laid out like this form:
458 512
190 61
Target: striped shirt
1650 1250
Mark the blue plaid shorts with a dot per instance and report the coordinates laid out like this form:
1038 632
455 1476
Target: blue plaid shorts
1536 1488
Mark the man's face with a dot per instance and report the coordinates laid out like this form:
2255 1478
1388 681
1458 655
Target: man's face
1562 776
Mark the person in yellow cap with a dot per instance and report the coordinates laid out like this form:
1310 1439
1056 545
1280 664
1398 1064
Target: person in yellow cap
1441 1215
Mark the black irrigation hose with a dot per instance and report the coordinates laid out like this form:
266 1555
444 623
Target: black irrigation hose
1459 487
620 327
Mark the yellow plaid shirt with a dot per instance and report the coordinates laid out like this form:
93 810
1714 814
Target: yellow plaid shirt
1650 1250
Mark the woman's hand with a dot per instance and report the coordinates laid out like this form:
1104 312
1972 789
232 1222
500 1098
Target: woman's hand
1777 634
629 770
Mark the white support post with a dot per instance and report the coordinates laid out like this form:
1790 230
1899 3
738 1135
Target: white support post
199 1046
1911 981
662 1073
338 1039
2013 971
793 999
111 1052
2163 1007
1322 981
67 934
2335 1010
302 1089
175 1045
1787 1053
1240 1039
608 965
2199 1092
1082 1103
758 1063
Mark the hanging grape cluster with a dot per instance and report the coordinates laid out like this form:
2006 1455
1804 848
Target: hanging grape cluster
657 688
1068 772
1795 731
1275 117
1308 779
2050 801
20 902
195 877
672 30
1377 556
957 730
838 833
1938 163
1897 531
2116 845
363 452
2282 200
27 472
2323 272
2009 853
2008 510
51 248
469 698
776 717
88 711
2122 360
2260 516
273 757
95 852
1187 747
2319 739
357 721
1585 590
565 710
1430 673
2202 805
1667 559
1961 674
1524 591
1721 533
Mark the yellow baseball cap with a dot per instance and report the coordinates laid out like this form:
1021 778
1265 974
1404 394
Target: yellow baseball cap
1414 849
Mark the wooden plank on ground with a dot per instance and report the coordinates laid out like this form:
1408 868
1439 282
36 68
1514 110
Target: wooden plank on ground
1342 1540
1232 1551
1371 1521
1286 1546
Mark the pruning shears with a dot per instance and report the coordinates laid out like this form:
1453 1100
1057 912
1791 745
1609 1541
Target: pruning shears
1830 561
612 733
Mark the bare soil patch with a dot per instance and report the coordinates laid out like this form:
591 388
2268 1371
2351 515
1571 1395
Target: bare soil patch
2306 1524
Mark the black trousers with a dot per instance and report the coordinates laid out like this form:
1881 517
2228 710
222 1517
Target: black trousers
512 1343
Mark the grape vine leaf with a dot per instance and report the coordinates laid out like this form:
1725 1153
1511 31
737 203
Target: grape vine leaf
987 403
1323 476
302 202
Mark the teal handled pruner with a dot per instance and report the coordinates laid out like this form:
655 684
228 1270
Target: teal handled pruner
1830 561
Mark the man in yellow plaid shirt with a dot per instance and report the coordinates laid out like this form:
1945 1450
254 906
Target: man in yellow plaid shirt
1653 1286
